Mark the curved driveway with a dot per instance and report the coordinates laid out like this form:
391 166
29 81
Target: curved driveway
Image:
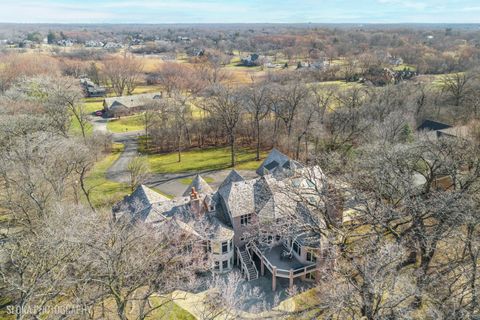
167 183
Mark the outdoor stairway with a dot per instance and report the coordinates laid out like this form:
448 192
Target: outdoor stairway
248 264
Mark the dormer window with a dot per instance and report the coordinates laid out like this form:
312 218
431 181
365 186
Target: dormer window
246 219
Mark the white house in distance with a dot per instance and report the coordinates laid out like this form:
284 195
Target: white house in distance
224 219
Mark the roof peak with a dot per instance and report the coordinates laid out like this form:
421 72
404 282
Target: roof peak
199 184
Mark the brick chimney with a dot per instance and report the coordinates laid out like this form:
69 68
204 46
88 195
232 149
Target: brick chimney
195 202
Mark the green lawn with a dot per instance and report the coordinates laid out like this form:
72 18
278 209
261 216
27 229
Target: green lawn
126 124
106 191
204 159
187 181
170 310
147 89
93 104
75 127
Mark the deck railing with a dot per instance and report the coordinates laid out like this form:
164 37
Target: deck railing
282 272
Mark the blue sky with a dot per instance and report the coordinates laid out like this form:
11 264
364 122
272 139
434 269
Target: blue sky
235 11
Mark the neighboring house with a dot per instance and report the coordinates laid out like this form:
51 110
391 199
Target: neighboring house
113 45
321 64
395 61
226 219
91 89
251 61
94 44
461 132
196 52
126 105
66 42
432 125
183 39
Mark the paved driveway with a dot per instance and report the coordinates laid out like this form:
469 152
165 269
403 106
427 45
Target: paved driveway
167 183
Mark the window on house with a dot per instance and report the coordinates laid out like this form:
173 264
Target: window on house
311 257
216 266
296 247
310 276
246 219
224 247
225 264
277 238
209 246
216 248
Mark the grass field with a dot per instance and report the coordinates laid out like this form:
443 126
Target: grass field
126 124
93 104
106 191
169 310
75 127
187 181
201 160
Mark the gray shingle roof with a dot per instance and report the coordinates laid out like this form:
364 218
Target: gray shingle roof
133 101
233 176
272 196
200 185
146 205
275 158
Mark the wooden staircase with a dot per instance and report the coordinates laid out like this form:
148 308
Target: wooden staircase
247 265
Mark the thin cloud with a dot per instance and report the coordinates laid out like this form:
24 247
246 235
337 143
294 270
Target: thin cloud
234 11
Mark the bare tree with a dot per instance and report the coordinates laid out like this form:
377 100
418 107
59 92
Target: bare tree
289 99
226 104
138 170
123 74
228 296
258 105
458 86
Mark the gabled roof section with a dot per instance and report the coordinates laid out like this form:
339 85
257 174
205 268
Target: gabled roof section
239 197
200 185
275 158
140 202
132 101
233 176
433 125
148 195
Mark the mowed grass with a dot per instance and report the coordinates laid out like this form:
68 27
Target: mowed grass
93 104
169 310
147 89
105 191
76 130
126 124
203 160
187 181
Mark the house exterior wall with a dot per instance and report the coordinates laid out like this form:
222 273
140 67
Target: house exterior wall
221 262
240 230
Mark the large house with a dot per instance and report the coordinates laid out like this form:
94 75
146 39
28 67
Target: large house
125 105
236 221
91 89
